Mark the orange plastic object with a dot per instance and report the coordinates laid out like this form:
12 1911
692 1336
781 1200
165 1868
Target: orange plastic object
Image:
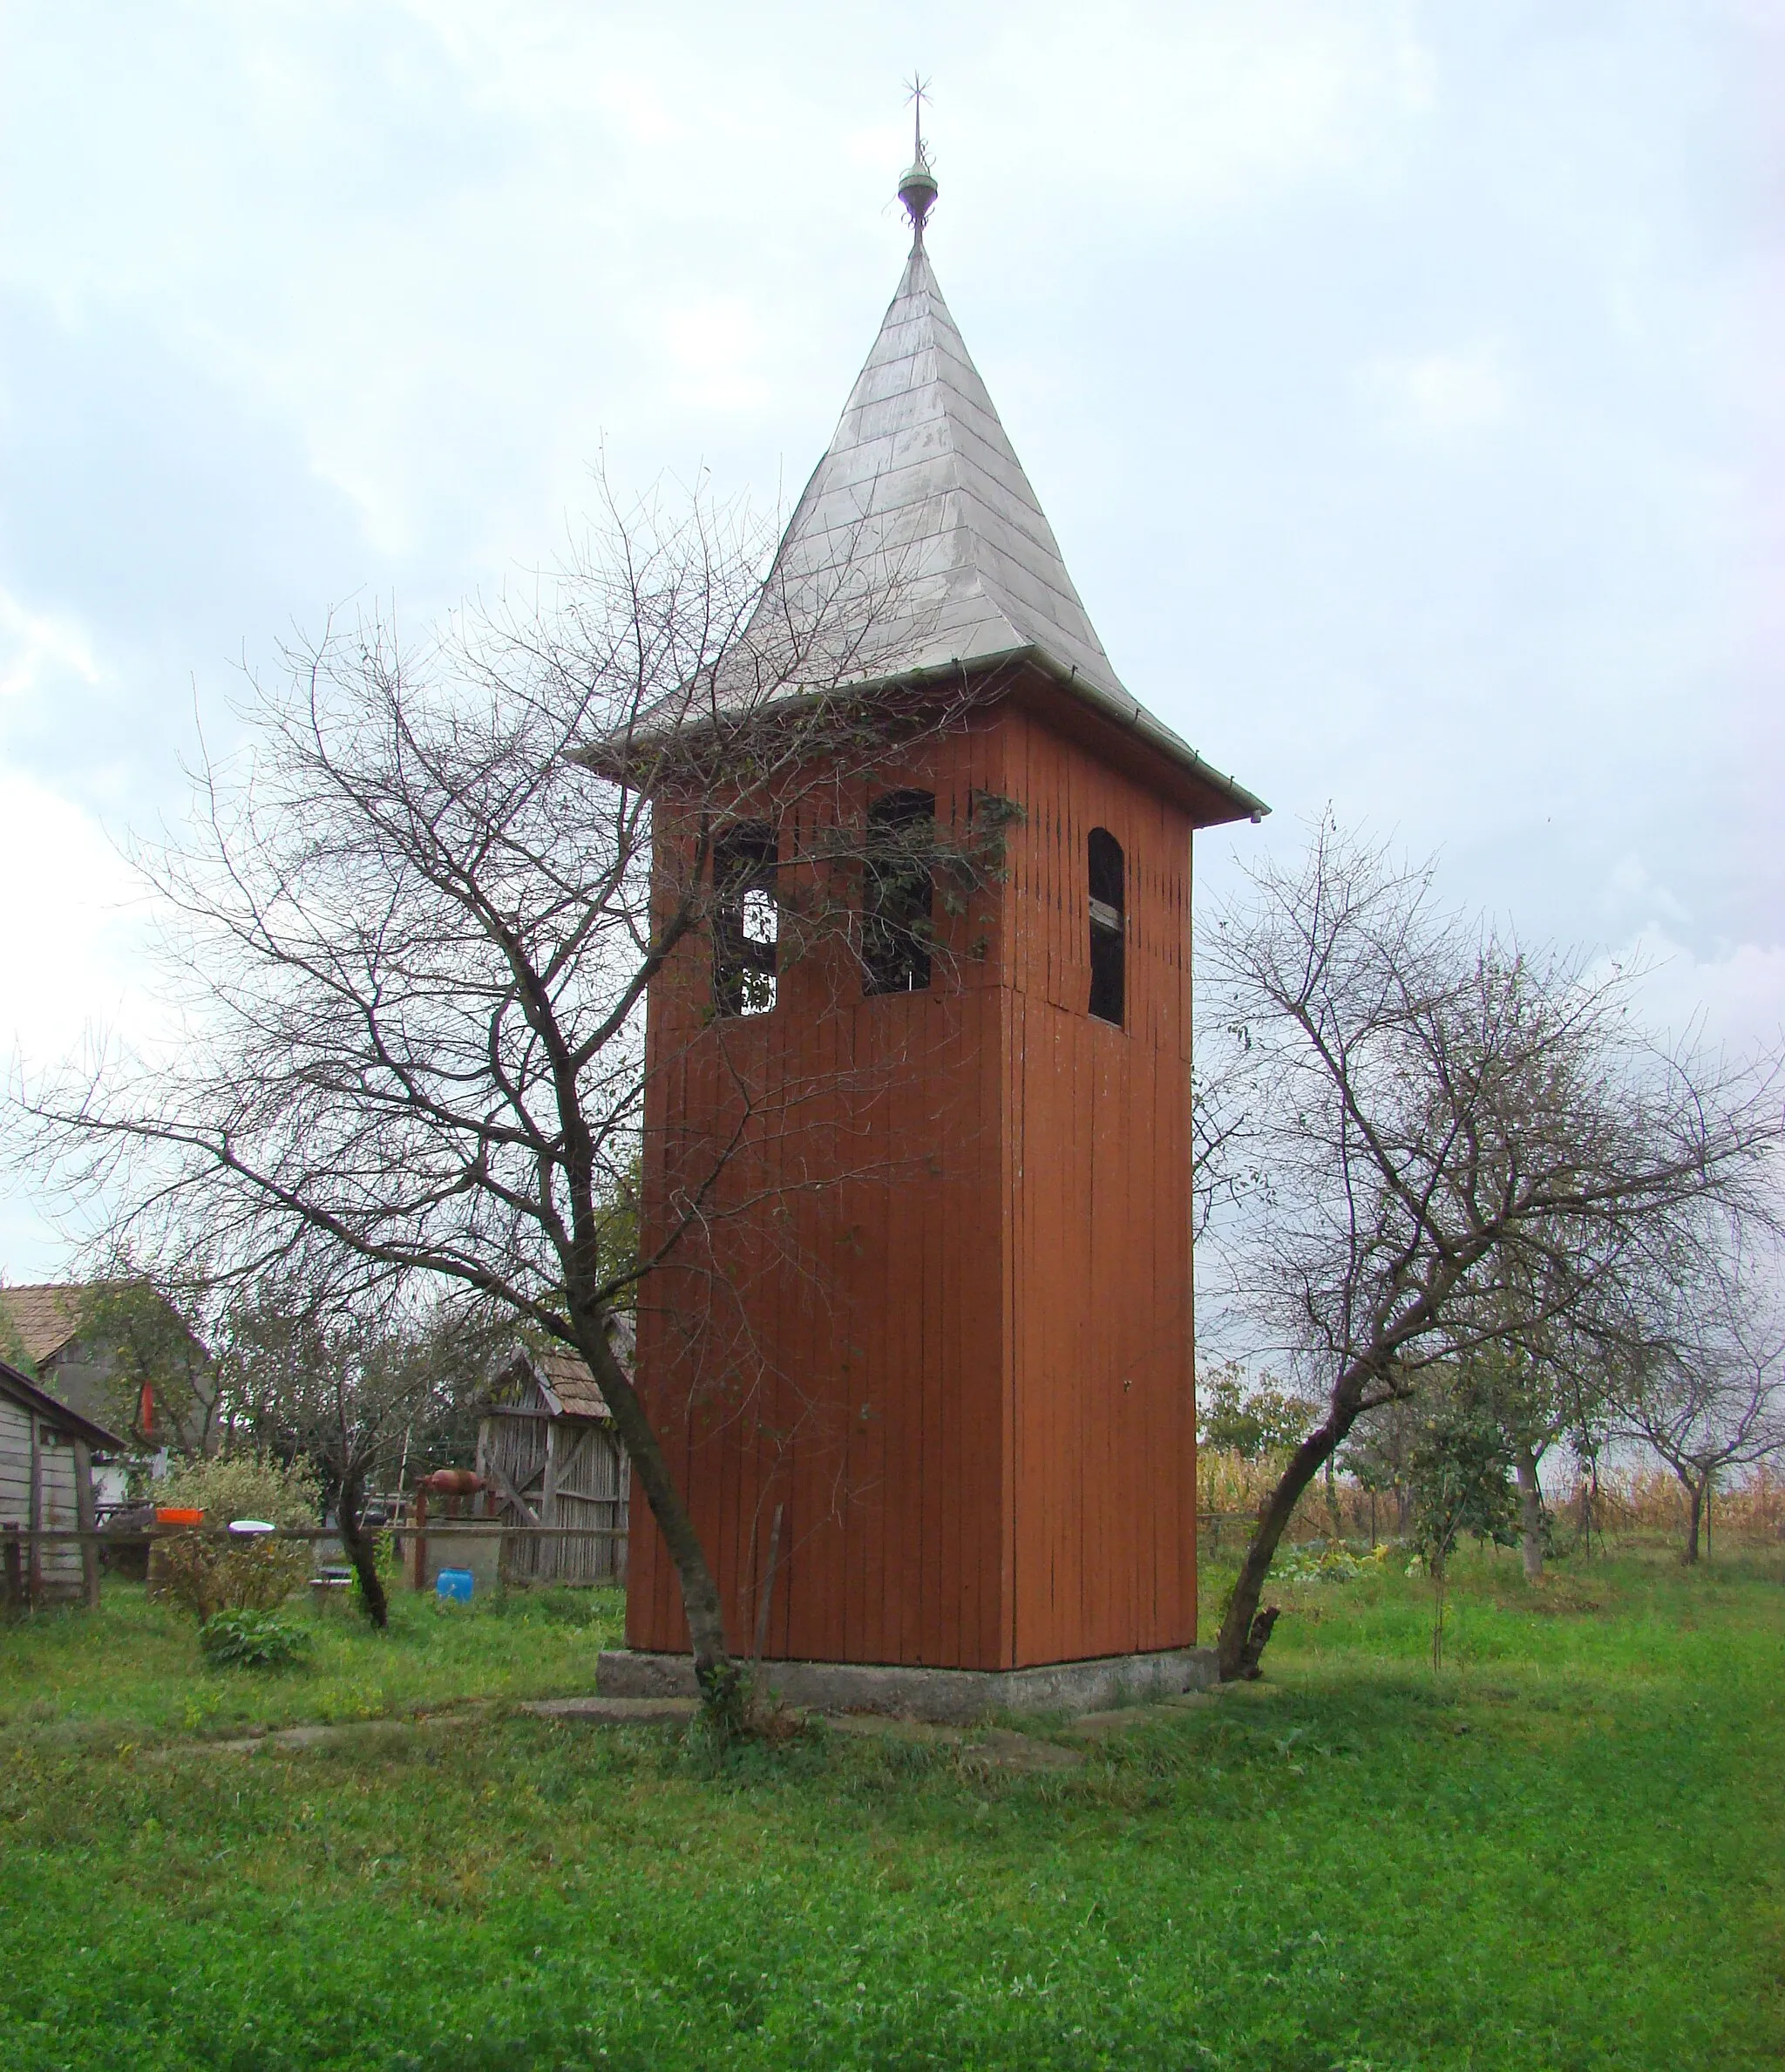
165 1515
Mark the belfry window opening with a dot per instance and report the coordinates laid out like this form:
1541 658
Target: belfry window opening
746 923
899 893
1108 939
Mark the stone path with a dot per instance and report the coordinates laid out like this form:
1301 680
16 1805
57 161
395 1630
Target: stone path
332 1734
999 1748
614 1711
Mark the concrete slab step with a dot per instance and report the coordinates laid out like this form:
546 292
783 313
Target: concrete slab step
615 1712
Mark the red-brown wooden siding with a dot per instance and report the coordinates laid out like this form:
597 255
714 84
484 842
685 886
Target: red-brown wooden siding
969 1381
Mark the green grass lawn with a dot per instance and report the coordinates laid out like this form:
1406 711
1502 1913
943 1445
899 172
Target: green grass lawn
1564 1852
134 1671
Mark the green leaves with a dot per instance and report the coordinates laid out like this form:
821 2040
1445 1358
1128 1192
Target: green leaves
248 1640
1458 1472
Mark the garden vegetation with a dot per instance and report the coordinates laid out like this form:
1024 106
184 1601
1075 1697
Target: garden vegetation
1563 1850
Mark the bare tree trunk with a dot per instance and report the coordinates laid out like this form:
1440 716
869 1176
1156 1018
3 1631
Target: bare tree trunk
362 1547
1530 1511
1232 1647
1695 1513
717 1677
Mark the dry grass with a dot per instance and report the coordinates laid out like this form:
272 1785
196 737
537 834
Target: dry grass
1643 1505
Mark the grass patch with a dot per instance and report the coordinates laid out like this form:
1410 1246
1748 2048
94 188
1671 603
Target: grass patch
135 1670
1566 1852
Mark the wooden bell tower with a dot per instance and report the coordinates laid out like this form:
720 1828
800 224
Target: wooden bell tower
945 1335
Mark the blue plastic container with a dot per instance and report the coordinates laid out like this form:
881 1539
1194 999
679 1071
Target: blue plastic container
455 1585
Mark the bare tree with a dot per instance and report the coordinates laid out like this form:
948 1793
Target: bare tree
1448 1137
351 1386
417 919
1701 1379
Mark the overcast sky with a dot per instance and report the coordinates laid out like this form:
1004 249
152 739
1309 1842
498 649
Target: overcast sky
1401 383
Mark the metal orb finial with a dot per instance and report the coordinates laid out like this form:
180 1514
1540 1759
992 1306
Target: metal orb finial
917 190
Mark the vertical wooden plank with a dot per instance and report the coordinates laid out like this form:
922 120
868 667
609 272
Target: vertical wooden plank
1006 1497
85 1518
34 1519
946 1470
909 1494
999 1176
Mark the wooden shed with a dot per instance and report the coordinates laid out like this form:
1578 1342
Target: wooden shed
47 1453
938 1327
547 1446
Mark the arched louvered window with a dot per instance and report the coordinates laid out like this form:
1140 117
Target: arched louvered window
1109 906
899 892
745 923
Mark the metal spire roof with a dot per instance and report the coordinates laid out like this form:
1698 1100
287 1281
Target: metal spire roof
921 478
921 502
917 547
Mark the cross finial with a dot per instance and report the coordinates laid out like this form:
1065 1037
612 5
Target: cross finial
918 189
917 92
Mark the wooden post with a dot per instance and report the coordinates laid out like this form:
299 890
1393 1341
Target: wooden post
551 1551
34 1521
14 1570
85 1518
419 1545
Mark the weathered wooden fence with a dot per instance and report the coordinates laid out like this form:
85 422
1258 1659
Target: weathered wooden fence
21 1549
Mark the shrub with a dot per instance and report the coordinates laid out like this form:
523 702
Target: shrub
208 1576
245 1485
1327 1564
249 1640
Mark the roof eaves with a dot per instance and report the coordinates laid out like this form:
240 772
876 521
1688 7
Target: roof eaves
24 1390
1130 713
621 759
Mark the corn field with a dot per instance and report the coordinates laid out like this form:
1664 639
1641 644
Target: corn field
1647 1503
1637 1504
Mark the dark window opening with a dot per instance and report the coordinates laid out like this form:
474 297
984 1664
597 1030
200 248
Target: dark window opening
1108 939
745 924
899 892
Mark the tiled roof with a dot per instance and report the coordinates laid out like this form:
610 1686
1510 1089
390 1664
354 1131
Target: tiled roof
573 1384
44 1314
573 1388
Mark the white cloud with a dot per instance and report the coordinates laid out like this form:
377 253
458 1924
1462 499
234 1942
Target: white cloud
1732 998
36 646
1239 273
71 929
1451 402
1631 887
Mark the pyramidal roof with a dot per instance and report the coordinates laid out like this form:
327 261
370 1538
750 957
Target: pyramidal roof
920 472
922 488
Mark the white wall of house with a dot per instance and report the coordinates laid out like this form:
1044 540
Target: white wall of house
21 1432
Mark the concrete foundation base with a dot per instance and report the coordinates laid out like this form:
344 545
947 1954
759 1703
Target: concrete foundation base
955 1695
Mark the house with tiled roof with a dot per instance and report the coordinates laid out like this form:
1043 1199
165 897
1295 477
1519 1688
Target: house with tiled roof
45 1329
